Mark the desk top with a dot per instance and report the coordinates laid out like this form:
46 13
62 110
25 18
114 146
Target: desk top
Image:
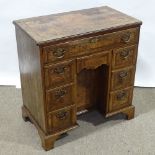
76 23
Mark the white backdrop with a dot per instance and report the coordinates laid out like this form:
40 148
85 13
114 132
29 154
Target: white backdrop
17 9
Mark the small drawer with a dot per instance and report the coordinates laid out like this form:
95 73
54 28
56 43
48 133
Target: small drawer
120 99
122 78
59 74
62 119
123 57
93 61
57 52
86 45
60 97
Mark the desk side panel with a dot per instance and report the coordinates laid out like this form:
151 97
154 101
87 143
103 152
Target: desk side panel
31 77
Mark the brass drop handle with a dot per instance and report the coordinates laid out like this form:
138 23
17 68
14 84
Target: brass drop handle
124 54
62 115
59 70
94 40
59 53
126 37
60 93
123 74
121 95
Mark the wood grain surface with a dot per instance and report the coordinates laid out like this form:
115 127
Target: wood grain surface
53 27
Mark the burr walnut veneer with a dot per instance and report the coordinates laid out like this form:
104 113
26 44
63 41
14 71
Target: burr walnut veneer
76 61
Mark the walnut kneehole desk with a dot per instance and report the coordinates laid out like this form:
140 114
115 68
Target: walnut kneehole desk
73 61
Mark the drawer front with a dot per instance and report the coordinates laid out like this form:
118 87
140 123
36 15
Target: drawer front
59 74
122 78
123 57
120 99
93 61
78 47
62 119
60 97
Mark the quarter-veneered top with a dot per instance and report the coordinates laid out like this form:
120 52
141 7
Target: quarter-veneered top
63 25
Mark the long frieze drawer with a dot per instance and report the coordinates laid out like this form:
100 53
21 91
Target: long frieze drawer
120 99
62 119
123 57
122 78
78 47
59 74
60 97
